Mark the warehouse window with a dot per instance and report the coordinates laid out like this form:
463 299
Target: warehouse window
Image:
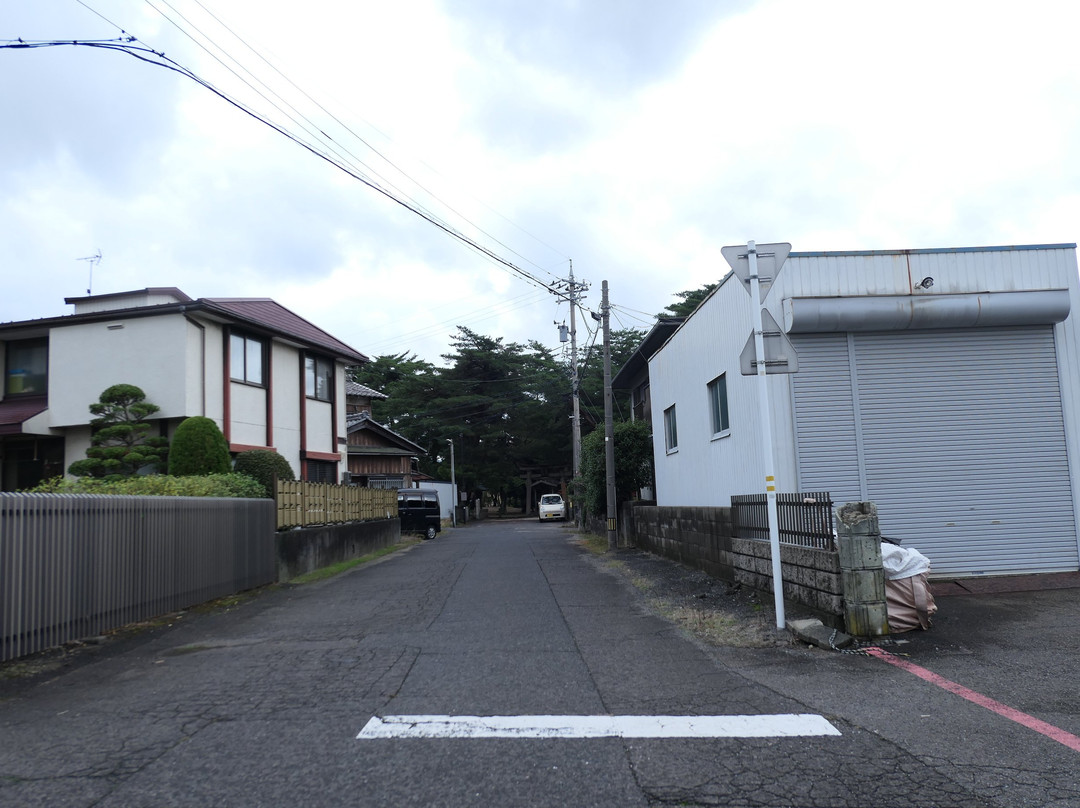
671 432
718 405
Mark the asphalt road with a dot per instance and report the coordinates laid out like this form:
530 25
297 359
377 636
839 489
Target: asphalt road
261 705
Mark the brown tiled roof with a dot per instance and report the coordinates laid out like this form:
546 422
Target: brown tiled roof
261 314
264 312
15 411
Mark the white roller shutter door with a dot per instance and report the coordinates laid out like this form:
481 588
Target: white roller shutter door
959 438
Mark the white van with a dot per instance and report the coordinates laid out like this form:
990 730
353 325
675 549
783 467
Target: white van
552 507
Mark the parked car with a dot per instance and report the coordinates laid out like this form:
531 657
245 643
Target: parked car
419 512
552 507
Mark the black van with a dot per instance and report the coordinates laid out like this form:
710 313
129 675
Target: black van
418 509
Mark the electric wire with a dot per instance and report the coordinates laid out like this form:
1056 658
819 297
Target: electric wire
313 129
159 59
386 159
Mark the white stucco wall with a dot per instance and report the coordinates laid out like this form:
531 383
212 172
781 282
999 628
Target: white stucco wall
320 426
247 414
149 352
285 361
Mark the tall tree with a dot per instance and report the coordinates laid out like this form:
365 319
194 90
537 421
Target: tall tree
688 301
633 464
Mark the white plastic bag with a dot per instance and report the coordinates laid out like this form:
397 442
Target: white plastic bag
902 562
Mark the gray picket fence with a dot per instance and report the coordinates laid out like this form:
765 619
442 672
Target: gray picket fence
78 565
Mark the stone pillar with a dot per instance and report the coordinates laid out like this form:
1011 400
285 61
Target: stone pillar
863 579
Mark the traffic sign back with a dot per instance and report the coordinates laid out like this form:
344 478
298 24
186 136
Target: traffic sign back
770 258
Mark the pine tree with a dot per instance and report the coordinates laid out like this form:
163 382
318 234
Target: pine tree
121 444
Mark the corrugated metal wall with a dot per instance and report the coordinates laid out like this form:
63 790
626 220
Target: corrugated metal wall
958 436
77 565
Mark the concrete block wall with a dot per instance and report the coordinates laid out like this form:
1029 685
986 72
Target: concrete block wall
304 550
702 538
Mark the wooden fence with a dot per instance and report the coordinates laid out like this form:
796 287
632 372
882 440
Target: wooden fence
300 504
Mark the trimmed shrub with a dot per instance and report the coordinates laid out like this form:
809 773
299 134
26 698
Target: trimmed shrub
198 447
263 465
158 485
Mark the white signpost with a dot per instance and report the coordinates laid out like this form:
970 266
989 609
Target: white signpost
757 267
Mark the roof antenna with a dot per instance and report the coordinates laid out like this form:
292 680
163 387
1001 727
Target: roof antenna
94 260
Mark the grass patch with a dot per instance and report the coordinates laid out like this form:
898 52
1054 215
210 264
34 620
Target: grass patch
597 545
639 582
331 570
712 626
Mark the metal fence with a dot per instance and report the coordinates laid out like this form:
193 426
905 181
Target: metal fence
78 565
805 520
300 504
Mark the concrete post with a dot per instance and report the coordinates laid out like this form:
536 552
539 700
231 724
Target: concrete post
863 579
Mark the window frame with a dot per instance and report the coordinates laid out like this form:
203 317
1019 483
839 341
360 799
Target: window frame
246 341
312 365
671 430
719 407
31 344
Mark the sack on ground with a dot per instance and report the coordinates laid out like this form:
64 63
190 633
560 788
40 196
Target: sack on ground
909 603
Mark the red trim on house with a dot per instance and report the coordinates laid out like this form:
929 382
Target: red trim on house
334 403
331 456
226 404
244 447
303 417
269 375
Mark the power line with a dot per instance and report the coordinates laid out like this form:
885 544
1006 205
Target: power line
126 45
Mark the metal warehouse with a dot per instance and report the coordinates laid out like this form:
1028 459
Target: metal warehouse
941 384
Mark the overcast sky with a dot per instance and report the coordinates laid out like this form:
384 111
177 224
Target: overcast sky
635 138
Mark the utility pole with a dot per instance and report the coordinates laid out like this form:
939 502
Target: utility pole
574 380
573 289
609 427
453 486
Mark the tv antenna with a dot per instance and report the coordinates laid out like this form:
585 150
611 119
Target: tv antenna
94 260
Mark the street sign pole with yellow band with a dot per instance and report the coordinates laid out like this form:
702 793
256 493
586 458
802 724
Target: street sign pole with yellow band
745 266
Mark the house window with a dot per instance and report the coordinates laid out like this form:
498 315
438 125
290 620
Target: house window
671 432
718 405
319 378
640 401
27 368
321 471
246 359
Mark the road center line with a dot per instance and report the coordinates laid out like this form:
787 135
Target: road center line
1049 730
596 726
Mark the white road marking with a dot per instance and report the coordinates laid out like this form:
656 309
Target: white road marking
596 726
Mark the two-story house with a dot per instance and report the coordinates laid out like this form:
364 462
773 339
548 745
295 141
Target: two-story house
268 377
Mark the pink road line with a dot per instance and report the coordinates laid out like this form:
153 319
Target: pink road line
1049 730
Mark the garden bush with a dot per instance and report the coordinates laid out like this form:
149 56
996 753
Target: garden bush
158 485
263 465
198 447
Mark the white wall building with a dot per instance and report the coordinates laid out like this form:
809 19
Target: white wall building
944 385
269 378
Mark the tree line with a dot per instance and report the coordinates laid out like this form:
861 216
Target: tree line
507 407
